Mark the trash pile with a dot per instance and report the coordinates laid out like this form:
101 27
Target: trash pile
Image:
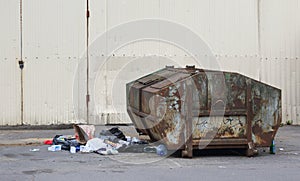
109 142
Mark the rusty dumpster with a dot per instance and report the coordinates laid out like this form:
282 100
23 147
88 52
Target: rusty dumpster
190 108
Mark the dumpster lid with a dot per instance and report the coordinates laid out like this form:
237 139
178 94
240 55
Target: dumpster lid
177 76
157 76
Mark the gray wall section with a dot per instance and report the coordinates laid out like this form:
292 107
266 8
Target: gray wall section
260 39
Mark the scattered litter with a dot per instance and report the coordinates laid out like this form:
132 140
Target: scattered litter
272 147
83 133
113 133
150 149
82 148
111 151
124 142
54 148
65 141
221 166
48 142
135 140
128 138
34 150
114 145
94 145
133 148
161 150
110 142
72 149
281 149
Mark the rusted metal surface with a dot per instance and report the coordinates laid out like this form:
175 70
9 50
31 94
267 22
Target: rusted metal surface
190 108
226 127
266 110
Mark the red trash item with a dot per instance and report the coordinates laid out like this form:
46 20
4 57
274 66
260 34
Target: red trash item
48 142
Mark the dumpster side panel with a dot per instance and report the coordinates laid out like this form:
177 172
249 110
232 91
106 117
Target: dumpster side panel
170 124
236 91
200 96
224 127
175 129
266 109
217 91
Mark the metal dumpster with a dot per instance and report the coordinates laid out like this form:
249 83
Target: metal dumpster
190 108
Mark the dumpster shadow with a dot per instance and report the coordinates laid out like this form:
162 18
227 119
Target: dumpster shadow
213 152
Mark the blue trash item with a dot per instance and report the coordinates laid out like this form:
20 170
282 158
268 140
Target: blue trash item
65 142
161 150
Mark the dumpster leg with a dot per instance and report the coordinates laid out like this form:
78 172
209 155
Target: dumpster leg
188 150
251 151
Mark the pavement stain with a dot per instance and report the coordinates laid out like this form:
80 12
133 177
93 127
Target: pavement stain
26 154
118 171
9 155
68 161
36 159
32 172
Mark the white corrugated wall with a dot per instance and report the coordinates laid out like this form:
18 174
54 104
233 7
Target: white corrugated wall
264 46
280 37
10 95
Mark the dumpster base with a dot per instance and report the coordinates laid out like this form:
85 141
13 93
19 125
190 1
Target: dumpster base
187 150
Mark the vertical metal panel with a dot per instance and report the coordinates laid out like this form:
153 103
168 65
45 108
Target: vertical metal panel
10 92
9 71
298 90
48 91
53 42
280 44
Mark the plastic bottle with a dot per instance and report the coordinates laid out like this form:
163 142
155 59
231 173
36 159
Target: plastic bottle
77 148
272 147
73 149
150 149
161 150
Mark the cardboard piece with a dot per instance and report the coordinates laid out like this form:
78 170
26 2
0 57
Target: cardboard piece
83 133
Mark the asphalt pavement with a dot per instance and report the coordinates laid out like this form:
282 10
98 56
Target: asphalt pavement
19 162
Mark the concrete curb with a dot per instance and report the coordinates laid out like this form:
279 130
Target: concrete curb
24 142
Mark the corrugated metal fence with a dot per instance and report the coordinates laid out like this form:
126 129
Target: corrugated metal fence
260 39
